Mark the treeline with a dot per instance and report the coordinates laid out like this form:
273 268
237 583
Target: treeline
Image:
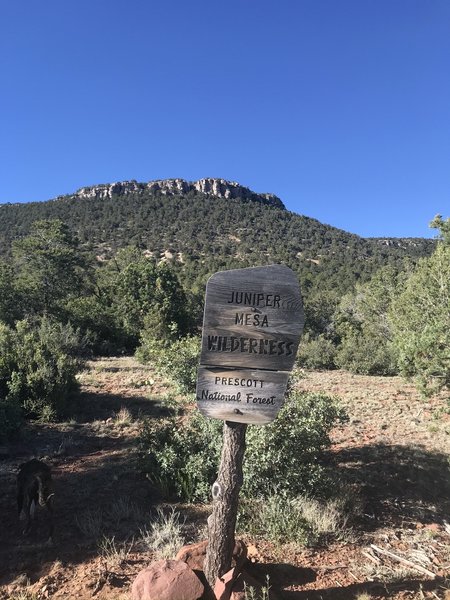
397 322
200 235
62 301
58 306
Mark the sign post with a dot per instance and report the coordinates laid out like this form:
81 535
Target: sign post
252 324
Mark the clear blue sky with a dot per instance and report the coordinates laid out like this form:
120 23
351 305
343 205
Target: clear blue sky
340 107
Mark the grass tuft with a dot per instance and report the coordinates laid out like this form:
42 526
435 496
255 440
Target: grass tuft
113 552
164 536
90 523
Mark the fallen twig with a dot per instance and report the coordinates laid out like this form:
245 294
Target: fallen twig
403 560
371 557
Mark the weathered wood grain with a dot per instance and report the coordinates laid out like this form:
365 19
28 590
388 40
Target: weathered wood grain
253 318
241 395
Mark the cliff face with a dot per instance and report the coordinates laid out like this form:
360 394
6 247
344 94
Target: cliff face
219 188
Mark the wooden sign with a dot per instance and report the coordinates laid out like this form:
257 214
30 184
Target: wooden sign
243 396
251 329
253 318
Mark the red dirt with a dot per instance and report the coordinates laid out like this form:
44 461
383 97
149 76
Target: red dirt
393 453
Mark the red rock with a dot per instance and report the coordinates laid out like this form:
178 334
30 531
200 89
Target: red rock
224 585
194 555
167 580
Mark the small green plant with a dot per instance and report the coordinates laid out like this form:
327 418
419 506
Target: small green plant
296 521
263 593
164 536
178 360
276 519
24 595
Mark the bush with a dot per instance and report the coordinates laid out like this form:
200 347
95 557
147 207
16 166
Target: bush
100 324
276 519
316 353
182 454
10 412
177 361
300 520
40 359
366 355
284 456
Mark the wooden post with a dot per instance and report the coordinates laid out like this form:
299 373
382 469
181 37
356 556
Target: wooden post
251 329
225 491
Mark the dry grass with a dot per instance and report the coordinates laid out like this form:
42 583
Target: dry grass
114 553
123 417
164 536
90 523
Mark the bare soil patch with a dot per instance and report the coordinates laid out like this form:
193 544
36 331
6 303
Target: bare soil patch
392 455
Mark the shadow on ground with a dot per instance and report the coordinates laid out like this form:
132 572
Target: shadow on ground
99 488
96 406
281 576
372 589
398 484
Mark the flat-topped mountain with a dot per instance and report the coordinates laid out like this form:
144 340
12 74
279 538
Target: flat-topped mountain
204 226
220 188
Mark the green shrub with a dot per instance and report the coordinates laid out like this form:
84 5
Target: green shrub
366 355
177 361
276 519
182 454
316 353
40 359
300 520
10 412
94 317
284 456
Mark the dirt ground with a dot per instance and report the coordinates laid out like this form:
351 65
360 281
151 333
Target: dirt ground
393 453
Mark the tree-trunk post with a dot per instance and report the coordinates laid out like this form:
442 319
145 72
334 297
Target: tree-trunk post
225 491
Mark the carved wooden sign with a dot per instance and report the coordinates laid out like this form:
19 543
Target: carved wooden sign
252 324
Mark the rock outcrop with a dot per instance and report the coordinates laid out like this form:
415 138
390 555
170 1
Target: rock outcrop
167 580
219 188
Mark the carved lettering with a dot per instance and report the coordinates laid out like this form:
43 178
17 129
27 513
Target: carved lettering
254 299
247 345
251 319
207 395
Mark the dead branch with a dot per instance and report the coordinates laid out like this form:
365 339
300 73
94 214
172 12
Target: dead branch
402 560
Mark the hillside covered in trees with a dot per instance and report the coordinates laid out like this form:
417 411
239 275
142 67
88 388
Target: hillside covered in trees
200 233
121 268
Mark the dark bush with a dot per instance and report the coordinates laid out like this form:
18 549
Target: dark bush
39 365
181 454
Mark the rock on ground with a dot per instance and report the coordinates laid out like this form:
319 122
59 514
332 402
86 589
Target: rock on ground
167 580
